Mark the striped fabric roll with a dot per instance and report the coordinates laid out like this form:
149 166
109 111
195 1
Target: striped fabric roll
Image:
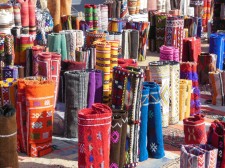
95 35
103 56
104 17
9 50
32 17
132 6
168 53
17 15
26 41
89 15
160 73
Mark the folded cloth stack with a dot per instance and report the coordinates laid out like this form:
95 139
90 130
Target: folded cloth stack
185 98
8 133
216 137
126 83
35 127
143 28
217 81
195 130
202 155
151 142
191 49
49 65
174 33
188 70
94 127
6 18
206 64
8 92
118 138
216 46
169 53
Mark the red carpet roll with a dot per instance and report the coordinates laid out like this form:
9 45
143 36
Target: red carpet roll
94 125
194 130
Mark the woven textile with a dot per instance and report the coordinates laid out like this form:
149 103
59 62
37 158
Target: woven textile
132 6
197 156
188 70
35 51
127 62
168 53
216 42
17 15
66 22
8 154
94 35
206 64
118 138
8 92
9 50
88 10
185 98
103 55
195 130
160 73
9 72
217 81
75 98
104 17
94 146
216 138
174 33
25 42
191 49
58 8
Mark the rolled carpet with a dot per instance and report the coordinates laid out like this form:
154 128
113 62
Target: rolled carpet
35 51
9 50
94 145
168 53
8 133
32 17
17 14
9 72
76 86
26 41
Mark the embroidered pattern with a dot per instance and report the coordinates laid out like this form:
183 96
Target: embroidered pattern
115 137
153 147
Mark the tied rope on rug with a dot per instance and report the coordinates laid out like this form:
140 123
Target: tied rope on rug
76 88
202 155
118 138
216 138
94 145
206 64
195 130
185 98
8 133
160 73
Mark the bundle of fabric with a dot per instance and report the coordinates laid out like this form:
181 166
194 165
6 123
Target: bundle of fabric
88 10
217 81
206 64
143 28
152 31
202 155
58 8
35 127
49 65
17 14
151 137
8 132
28 19
169 53
6 17
160 73
188 70
93 146
9 52
195 130
130 43
216 43
9 72
216 136
116 25
191 49
194 25
31 60
104 17
118 138
118 37
8 92
67 65
132 6
126 94
185 99
127 62
66 22
160 29
95 35
174 33
76 89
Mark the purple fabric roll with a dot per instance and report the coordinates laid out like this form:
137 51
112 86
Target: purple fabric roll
98 86
91 89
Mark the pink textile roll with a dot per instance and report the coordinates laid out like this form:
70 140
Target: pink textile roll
169 53
24 12
32 18
35 51
17 15
44 64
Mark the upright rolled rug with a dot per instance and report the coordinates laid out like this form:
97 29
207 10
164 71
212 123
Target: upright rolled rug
132 6
93 146
160 73
168 53
8 133
26 41
75 99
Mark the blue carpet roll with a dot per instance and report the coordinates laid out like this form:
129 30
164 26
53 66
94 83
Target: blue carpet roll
216 46
155 136
144 124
